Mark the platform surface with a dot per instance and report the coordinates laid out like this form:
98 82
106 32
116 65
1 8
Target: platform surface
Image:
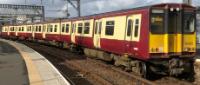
39 70
13 70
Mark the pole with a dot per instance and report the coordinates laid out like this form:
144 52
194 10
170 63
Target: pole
25 2
41 2
79 8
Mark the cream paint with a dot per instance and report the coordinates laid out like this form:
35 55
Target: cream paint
120 27
70 28
74 32
133 18
97 36
58 28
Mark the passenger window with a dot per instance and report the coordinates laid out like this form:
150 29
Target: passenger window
22 28
130 26
67 28
47 28
87 28
80 27
40 28
36 28
55 28
51 28
19 28
100 25
96 26
136 28
63 27
110 28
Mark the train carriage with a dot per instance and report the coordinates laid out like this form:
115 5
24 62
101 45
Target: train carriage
84 33
13 32
53 32
4 32
22 32
66 32
38 31
29 31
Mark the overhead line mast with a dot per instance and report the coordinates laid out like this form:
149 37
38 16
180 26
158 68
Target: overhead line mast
77 6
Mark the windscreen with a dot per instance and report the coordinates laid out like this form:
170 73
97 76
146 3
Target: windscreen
157 21
189 23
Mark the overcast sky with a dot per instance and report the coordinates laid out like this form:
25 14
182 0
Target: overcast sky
88 7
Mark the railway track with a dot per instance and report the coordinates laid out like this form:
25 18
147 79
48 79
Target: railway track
97 72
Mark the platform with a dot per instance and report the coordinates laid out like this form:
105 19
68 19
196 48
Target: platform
21 65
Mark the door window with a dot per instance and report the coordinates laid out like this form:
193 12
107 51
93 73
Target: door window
80 27
130 26
136 28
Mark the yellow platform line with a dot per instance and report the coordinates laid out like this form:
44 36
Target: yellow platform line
33 74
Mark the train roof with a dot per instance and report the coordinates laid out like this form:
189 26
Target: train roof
114 13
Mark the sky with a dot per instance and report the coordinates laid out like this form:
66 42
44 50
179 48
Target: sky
55 8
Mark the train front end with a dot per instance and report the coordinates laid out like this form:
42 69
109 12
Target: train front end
172 38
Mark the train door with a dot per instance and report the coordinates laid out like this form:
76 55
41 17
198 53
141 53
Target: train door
97 33
175 32
44 30
17 30
73 32
33 31
128 35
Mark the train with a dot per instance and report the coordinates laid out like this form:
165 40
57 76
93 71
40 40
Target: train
159 38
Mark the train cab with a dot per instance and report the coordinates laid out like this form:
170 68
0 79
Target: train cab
172 31
172 37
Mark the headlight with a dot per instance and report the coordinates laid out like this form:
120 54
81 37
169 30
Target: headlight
160 49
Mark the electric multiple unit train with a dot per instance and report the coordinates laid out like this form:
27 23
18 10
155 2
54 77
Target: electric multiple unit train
159 38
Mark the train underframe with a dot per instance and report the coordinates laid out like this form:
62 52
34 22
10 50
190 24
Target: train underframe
175 66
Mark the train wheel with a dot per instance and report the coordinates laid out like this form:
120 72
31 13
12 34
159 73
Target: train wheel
189 75
144 71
